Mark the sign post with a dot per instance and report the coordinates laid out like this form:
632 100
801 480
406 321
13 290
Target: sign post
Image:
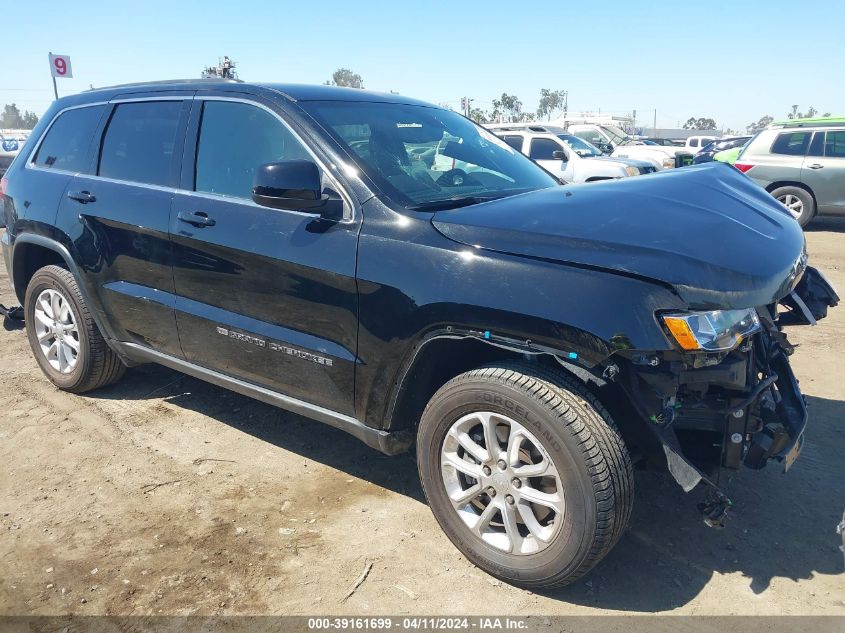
59 67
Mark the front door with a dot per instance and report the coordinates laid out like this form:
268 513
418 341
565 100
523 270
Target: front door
542 150
824 170
266 295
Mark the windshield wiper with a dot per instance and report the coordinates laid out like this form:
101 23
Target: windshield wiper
454 203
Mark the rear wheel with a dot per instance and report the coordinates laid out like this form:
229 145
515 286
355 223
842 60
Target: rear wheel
798 202
526 473
64 338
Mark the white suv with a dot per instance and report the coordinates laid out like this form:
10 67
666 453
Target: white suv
567 156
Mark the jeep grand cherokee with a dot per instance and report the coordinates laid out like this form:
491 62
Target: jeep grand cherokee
528 341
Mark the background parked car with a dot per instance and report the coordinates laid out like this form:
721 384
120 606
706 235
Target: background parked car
694 144
728 156
614 141
11 142
707 153
567 156
801 162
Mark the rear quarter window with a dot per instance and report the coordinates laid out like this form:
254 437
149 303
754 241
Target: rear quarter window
791 143
68 140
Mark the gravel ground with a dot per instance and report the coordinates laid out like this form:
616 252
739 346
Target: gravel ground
166 495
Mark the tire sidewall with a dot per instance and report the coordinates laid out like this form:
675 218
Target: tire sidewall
44 280
575 537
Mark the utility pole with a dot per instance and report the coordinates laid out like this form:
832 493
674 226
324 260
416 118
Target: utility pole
654 129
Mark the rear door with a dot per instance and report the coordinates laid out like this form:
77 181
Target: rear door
118 216
266 295
824 170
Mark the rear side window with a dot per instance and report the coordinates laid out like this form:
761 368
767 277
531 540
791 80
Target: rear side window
139 142
514 140
834 144
235 139
792 143
542 149
67 141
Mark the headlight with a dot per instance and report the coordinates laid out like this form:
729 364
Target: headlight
717 331
632 171
668 163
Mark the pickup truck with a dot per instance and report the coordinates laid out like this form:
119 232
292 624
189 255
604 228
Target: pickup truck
529 342
614 141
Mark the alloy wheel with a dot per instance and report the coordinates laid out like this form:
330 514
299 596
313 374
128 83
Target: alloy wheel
502 483
793 204
56 330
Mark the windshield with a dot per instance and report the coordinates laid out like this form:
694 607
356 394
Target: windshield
580 146
617 136
425 157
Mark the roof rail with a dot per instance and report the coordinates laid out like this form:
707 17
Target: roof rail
815 122
170 82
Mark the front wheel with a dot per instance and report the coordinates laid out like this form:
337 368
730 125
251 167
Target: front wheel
526 473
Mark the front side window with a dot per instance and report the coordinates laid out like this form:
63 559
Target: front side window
791 143
543 149
234 140
67 141
463 163
834 144
139 142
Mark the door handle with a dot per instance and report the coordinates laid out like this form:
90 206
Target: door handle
196 218
815 166
81 196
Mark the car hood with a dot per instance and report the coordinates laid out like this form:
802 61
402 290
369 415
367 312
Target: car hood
708 231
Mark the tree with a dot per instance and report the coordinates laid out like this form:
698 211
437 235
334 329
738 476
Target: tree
29 120
809 114
700 123
551 102
507 107
11 117
347 78
753 128
479 116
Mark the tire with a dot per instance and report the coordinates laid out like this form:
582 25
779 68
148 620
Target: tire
593 474
93 364
799 202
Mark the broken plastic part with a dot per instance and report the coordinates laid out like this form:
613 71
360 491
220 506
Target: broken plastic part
715 509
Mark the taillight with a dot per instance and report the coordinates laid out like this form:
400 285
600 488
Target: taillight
3 182
743 167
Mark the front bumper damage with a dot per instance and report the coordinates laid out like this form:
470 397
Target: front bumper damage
748 398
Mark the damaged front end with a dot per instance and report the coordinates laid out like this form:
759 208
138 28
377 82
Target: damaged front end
730 404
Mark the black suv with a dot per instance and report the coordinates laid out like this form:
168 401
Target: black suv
527 340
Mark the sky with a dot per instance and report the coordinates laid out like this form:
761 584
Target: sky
733 61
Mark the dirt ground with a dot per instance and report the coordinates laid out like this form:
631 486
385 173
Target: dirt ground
166 495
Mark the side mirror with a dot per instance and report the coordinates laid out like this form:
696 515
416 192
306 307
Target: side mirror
559 154
289 184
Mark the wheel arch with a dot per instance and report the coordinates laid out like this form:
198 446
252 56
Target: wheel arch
444 354
792 183
31 252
